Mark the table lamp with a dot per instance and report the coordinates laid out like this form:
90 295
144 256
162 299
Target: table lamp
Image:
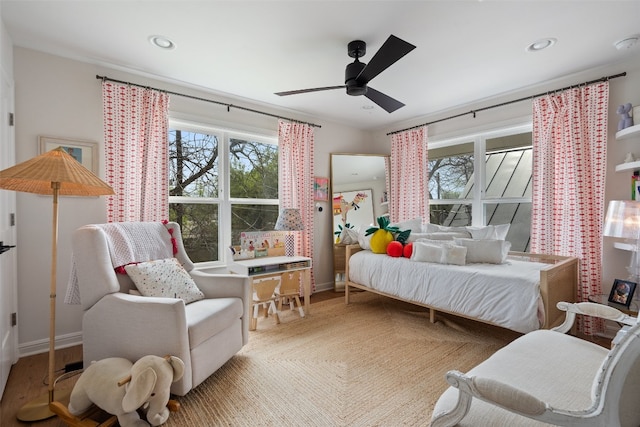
623 221
289 220
52 173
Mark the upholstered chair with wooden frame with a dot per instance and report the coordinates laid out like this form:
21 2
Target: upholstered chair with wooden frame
264 297
547 377
289 291
119 322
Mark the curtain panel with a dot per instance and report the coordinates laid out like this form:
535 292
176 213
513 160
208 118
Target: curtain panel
409 176
569 167
295 175
136 122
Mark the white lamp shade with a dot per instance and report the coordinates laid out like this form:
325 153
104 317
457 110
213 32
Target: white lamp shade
289 220
623 219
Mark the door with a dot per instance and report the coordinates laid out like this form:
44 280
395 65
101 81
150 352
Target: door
8 259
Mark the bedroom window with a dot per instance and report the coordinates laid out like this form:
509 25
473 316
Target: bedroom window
219 177
464 190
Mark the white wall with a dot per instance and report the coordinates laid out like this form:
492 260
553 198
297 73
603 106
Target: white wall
62 98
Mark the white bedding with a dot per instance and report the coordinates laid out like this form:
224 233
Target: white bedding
507 294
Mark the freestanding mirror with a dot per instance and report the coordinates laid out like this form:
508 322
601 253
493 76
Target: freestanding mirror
359 195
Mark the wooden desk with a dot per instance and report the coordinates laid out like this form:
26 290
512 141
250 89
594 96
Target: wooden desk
264 267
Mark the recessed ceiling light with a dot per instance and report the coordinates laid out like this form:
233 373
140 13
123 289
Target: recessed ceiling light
541 44
162 42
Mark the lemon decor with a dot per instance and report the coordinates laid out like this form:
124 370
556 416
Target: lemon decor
385 234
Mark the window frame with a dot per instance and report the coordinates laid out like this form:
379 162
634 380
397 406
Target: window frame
224 199
479 140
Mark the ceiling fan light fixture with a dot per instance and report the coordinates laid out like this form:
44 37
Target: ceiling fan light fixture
541 44
162 42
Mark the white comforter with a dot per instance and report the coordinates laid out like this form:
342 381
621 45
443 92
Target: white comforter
507 295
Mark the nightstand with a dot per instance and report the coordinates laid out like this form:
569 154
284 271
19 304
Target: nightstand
603 299
339 266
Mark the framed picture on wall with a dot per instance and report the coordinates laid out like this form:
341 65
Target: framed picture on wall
85 152
622 292
320 189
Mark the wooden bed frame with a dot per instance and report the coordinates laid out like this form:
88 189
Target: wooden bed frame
558 283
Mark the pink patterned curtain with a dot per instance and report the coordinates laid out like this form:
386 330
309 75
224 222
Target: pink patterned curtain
409 175
295 175
569 166
136 122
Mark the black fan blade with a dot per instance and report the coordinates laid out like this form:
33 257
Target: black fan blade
384 101
316 89
391 51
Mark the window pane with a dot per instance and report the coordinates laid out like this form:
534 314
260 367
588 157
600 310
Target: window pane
193 163
454 215
251 218
451 172
516 214
199 226
253 169
508 167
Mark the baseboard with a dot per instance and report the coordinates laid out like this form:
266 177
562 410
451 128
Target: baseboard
42 346
324 287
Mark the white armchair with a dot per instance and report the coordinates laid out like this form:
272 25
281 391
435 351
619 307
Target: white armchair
549 378
204 334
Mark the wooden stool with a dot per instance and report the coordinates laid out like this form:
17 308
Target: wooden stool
289 291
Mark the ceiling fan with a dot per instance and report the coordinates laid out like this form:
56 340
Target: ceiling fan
357 75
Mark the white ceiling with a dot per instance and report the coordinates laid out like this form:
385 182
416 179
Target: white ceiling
466 50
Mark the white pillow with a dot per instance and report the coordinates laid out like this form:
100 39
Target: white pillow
427 252
164 278
494 232
439 252
435 228
348 236
441 235
364 241
415 225
485 251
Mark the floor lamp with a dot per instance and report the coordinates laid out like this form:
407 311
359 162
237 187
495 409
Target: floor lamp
289 220
53 173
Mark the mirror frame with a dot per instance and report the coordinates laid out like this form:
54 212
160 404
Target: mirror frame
379 207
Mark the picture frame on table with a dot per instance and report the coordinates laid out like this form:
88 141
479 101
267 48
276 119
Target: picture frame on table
622 292
85 152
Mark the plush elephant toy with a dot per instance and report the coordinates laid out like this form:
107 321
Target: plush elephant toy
120 387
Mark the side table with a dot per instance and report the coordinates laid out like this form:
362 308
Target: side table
603 299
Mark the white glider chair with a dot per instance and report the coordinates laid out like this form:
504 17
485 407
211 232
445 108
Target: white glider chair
547 377
119 322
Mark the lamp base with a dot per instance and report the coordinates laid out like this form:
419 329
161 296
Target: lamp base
38 408
289 245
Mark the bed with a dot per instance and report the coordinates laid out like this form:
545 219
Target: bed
520 294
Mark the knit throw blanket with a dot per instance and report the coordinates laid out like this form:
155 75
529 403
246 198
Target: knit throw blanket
128 242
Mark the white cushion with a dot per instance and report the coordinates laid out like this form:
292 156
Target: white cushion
439 252
440 235
496 232
415 225
435 228
348 236
485 251
364 241
164 278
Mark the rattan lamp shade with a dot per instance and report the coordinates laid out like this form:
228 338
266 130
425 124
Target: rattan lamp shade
37 174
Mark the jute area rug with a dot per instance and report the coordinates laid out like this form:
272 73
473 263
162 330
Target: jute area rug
374 362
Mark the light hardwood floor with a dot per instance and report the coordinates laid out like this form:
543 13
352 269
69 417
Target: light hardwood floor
28 379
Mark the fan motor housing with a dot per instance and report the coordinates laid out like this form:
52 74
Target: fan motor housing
352 71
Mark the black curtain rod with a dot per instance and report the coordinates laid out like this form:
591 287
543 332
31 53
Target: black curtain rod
602 79
229 106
